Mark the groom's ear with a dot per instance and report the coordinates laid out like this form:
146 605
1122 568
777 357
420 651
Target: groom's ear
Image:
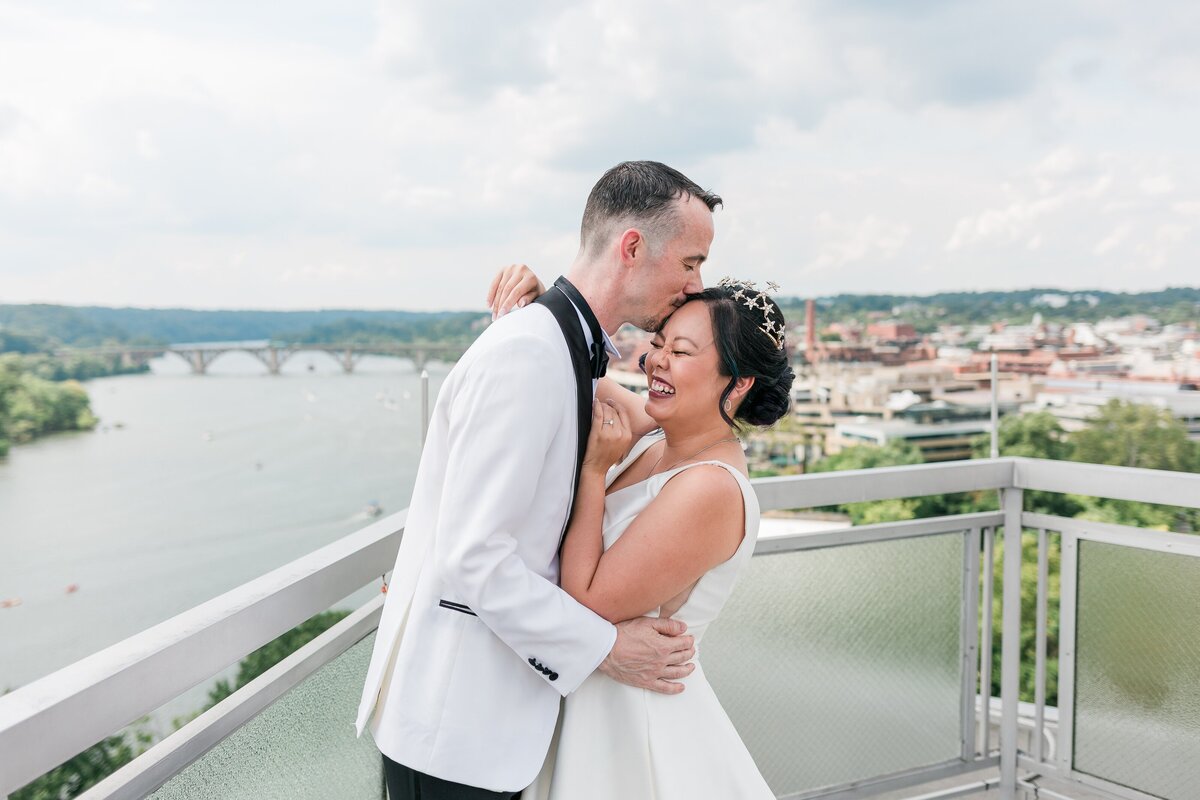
632 245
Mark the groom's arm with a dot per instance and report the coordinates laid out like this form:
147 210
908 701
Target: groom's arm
502 424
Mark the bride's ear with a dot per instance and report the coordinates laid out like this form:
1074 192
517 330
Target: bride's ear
741 388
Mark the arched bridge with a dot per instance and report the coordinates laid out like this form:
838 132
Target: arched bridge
274 354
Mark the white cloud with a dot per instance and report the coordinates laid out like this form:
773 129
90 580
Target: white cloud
1158 184
373 158
1113 240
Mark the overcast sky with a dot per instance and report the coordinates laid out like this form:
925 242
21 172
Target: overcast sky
310 154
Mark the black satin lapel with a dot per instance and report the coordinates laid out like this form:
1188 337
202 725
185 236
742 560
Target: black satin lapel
568 321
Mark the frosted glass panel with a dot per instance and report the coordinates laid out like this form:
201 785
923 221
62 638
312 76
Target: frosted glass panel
1137 669
301 746
844 663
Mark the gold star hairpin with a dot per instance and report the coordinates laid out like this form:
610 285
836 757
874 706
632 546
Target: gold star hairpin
756 299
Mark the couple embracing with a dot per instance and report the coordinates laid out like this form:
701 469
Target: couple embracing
568 538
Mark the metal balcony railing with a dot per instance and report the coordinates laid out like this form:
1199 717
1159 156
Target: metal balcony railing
851 661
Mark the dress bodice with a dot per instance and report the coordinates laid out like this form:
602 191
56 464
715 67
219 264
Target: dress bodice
710 592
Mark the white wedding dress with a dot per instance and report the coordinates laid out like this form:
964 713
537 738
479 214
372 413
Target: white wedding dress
615 741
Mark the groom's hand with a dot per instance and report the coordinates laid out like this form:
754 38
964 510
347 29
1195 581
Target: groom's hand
651 654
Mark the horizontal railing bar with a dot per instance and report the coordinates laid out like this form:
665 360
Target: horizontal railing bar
1101 480
896 780
879 532
885 483
966 790
172 755
1040 791
52 719
1186 544
1031 764
1092 785
1110 789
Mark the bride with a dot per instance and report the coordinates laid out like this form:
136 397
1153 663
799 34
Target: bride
664 520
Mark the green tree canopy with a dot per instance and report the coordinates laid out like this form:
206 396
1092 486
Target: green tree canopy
895 453
1036 435
1136 435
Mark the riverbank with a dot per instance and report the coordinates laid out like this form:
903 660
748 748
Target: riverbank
33 406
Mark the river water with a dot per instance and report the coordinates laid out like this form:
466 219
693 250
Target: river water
190 486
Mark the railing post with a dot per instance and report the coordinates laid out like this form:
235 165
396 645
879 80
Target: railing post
1010 658
995 438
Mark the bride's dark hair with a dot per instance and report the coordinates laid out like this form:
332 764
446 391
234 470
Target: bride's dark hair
745 349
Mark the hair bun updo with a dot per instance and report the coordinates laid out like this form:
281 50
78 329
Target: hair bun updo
748 328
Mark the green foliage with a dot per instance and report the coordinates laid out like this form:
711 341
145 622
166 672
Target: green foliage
76 367
31 406
1037 435
894 454
85 770
12 342
85 326
52 326
1029 576
456 327
1181 304
1136 435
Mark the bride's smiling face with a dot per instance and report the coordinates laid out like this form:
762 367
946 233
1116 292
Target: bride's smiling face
682 368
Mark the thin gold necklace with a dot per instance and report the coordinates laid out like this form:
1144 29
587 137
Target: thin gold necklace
685 458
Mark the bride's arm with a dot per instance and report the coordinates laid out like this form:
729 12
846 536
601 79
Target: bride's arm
695 523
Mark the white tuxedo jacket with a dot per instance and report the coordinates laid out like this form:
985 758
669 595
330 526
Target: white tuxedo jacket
477 643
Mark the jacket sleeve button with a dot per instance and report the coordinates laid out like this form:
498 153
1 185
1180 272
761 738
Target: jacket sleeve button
553 676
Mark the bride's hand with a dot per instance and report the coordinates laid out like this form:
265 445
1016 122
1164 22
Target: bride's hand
515 286
609 440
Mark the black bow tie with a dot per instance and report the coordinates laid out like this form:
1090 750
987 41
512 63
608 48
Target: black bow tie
598 354
599 360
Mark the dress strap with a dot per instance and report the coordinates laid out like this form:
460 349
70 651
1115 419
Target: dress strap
640 446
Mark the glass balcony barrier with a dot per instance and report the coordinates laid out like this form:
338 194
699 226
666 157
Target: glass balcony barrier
856 662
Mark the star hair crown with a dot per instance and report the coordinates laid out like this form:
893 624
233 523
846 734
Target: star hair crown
749 295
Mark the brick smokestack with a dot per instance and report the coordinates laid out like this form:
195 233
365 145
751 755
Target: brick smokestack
810 330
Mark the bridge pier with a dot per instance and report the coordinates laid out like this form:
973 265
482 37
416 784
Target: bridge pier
420 358
197 359
348 360
272 357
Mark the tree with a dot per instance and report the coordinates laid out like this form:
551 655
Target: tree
31 406
895 453
75 776
1136 435
1036 435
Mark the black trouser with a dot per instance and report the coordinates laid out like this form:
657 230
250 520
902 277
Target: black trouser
408 784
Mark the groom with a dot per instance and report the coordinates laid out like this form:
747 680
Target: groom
477 643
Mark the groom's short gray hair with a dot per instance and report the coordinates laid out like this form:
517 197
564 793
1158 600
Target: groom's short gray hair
637 194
